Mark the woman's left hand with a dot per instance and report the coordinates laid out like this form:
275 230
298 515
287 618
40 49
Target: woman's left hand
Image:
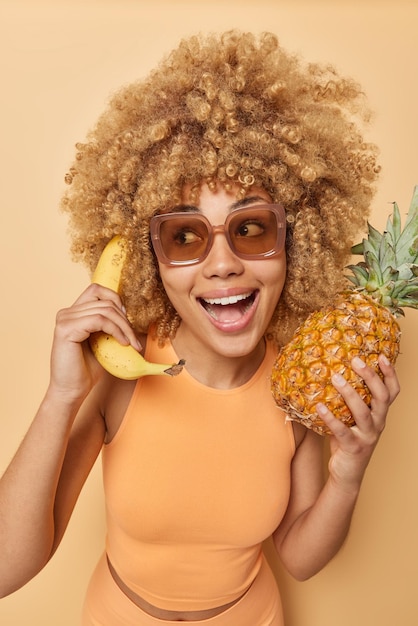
351 448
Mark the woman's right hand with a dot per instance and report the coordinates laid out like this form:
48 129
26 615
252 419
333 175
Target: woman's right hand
74 370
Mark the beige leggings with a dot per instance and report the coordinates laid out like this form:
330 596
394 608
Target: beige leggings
107 605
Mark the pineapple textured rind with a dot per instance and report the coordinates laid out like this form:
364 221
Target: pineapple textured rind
325 344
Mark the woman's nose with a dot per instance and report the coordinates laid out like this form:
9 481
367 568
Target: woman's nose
221 260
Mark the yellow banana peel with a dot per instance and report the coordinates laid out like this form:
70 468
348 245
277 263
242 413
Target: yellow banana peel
121 361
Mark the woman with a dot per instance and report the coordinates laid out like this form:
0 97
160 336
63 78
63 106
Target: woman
229 144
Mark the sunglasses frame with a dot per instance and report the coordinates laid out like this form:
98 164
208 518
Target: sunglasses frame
157 220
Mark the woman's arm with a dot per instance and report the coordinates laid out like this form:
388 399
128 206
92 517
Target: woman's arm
40 487
319 515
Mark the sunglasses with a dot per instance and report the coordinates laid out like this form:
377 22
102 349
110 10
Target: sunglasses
253 232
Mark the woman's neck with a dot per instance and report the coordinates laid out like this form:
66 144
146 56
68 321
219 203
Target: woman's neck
216 370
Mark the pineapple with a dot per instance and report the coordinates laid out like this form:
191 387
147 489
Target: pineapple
360 322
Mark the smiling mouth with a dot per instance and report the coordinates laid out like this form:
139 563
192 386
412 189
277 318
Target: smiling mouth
230 308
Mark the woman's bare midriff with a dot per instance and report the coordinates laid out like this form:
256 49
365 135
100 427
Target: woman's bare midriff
163 614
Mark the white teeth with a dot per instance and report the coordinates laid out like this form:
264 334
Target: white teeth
227 300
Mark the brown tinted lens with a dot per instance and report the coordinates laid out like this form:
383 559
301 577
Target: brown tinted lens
253 231
183 238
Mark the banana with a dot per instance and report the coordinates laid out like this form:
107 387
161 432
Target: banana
121 361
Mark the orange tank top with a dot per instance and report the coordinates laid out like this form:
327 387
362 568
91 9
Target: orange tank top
195 479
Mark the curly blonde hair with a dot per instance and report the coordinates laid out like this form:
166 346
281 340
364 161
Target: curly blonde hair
238 109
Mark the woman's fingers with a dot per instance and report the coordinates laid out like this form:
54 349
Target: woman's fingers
390 377
97 309
371 419
97 292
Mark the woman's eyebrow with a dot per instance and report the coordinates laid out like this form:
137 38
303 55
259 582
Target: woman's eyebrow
184 208
190 208
246 201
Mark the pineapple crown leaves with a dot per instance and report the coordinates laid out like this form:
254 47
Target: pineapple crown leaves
389 271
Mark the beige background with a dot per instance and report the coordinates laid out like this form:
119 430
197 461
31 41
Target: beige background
59 61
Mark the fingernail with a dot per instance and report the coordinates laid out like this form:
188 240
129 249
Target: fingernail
139 346
384 359
338 380
357 362
321 408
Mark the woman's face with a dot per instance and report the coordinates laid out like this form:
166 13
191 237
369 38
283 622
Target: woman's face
225 302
